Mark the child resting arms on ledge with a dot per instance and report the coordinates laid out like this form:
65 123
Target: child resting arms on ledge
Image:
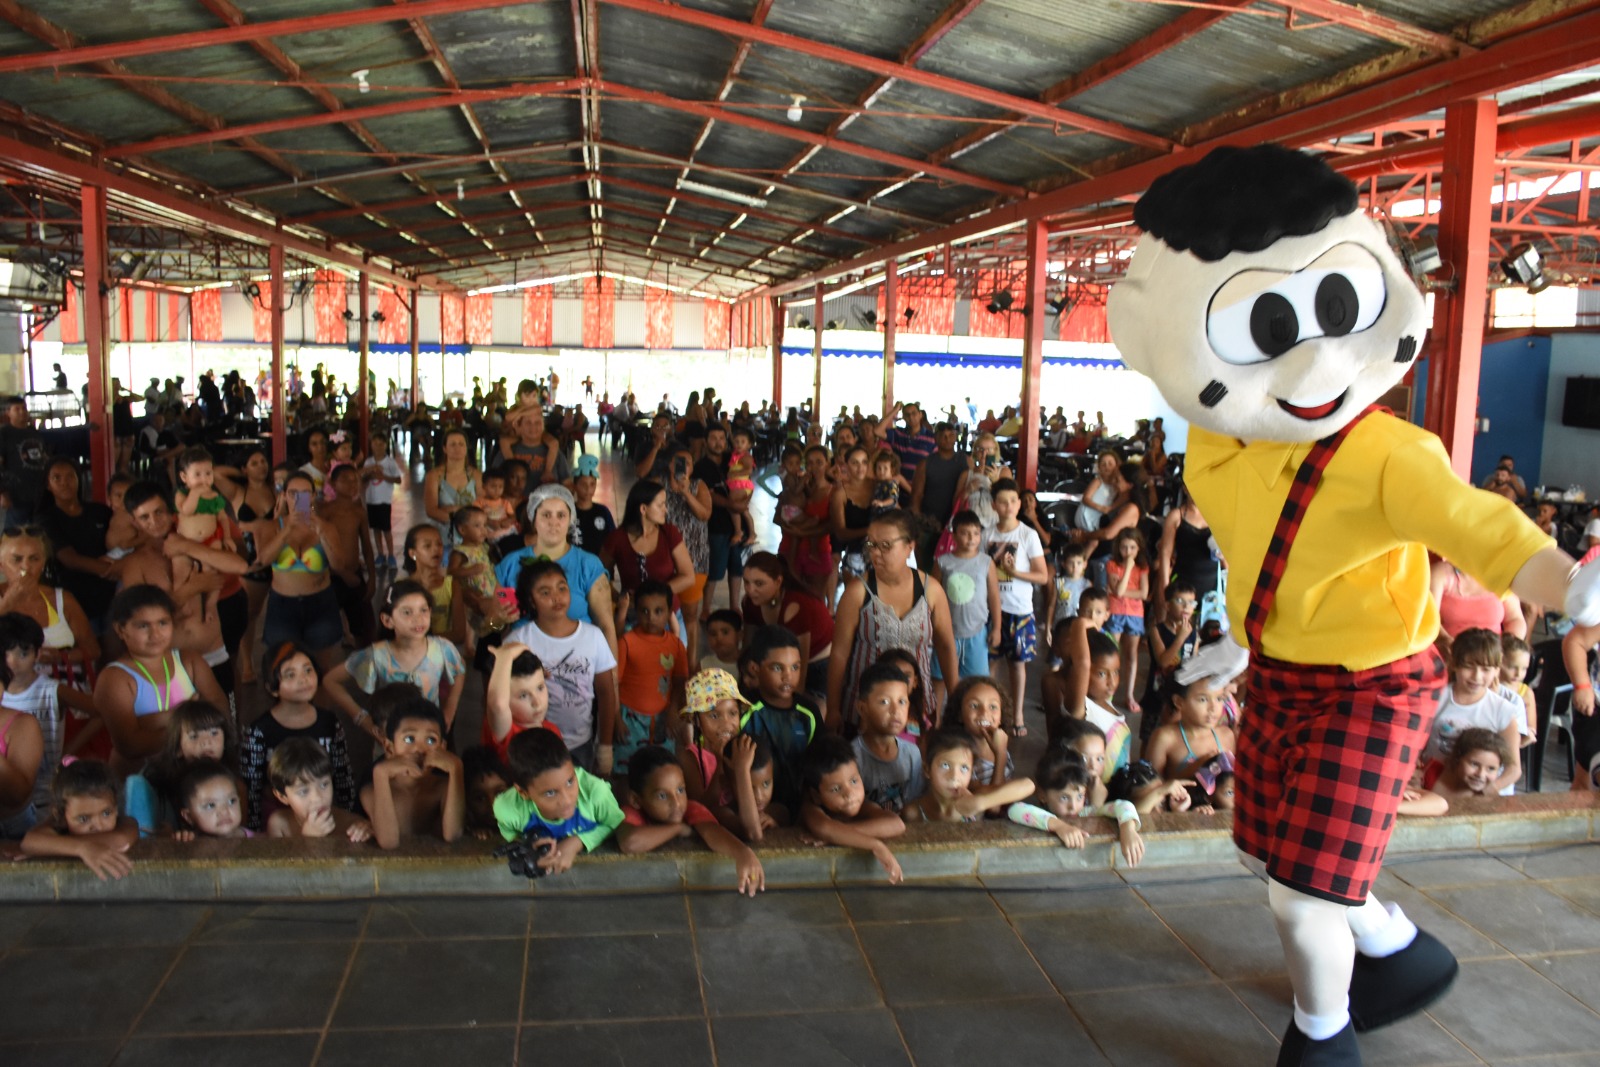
84 822
836 810
952 753
659 810
1063 781
301 775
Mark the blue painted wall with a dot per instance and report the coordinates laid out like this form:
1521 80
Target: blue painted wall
1513 390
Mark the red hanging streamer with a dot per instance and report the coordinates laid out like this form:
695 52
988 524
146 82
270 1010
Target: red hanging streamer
538 306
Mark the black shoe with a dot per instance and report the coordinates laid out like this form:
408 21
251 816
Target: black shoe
1340 1050
1388 988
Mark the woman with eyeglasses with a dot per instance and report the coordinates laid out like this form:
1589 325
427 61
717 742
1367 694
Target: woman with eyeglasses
69 642
771 596
894 606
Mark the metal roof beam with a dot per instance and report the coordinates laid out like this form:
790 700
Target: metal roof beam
354 114
1177 31
1376 24
33 159
793 133
423 201
889 68
732 209
1556 46
766 183
179 42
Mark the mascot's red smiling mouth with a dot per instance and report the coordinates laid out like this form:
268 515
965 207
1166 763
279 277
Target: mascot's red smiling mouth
1320 411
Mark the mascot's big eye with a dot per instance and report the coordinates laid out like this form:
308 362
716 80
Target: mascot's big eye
1259 315
1274 327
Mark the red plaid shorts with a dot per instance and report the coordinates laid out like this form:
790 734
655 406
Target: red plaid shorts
1324 755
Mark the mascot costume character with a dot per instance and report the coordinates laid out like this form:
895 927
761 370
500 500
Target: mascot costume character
1272 314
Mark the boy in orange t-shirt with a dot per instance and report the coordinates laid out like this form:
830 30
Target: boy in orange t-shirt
652 667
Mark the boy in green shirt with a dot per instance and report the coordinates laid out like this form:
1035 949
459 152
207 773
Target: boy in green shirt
555 802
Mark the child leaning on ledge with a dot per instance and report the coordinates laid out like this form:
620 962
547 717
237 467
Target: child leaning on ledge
836 810
659 810
84 822
418 789
1063 781
554 802
301 775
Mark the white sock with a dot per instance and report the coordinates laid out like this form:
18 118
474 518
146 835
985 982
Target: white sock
1381 929
1320 952
1321 1027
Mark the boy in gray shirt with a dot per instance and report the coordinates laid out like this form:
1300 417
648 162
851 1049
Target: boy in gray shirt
972 586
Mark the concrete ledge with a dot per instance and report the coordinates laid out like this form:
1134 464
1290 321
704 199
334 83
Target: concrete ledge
276 869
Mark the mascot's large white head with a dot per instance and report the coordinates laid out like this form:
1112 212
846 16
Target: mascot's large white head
1261 301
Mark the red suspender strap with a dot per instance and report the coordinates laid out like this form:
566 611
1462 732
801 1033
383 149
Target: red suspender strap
1306 480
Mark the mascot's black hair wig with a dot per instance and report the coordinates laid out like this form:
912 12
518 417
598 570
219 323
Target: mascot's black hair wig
1242 200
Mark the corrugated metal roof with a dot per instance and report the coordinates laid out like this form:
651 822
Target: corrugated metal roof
1021 47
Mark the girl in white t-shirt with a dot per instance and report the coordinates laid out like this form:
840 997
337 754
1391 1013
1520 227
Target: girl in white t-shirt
1471 701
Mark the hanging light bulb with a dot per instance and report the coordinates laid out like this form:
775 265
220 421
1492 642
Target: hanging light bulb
796 112
361 80
461 189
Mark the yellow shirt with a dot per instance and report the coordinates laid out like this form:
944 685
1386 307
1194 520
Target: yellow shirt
1355 591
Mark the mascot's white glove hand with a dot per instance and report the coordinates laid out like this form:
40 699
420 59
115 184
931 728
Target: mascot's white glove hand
1582 603
1221 661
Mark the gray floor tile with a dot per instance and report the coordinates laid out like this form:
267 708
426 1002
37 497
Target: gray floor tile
1041 1031
1585 892
114 925
1577 972
311 921
486 1045
1116 949
827 1039
432 983
257 1050
461 917
625 976
783 969
784 907
1461 939
1426 870
1413 1042
1060 891
1525 918
663 1043
47 989
622 913
1163 886
17 919
266 987
1553 861
1575 1059
1236 940
926 962
950 898
62 1053
1494 1003
1196 1026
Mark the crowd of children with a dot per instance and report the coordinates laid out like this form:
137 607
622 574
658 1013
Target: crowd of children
591 733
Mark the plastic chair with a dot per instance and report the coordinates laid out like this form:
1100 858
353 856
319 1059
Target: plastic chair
1561 719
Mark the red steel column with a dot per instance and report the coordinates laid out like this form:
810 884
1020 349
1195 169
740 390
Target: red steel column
1456 346
280 425
97 336
777 351
361 387
1033 353
416 345
816 355
891 318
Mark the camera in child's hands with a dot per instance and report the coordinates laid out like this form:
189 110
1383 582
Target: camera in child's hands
522 856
